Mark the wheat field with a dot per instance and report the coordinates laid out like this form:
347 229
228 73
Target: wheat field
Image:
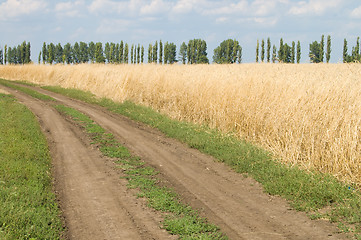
308 115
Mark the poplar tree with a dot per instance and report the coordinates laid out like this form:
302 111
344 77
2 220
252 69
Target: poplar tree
138 54
121 52
5 54
166 52
161 52
345 54
67 53
116 52
293 52
268 50
257 51
155 52
126 53
28 53
322 47
274 54
1 57
99 55
183 52
91 52
45 53
239 54
50 52
58 56
328 52
191 52
142 55
150 53
281 52
107 51
39 58
356 51
262 50
76 53
131 54
298 52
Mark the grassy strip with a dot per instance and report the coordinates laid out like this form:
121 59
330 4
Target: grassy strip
180 219
28 209
26 90
306 191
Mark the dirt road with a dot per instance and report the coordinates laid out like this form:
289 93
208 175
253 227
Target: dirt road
97 205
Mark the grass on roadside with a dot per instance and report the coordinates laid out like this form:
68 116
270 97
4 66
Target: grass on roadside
26 90
28 208
180 219
306 191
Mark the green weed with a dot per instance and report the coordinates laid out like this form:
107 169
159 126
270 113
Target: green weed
28 209
306 191
181 219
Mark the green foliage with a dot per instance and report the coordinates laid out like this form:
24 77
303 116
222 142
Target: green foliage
150 53
274 54
322 48
317 51
28 208
315 54
161 52
155 52
298 52
328 51
293 52
227 52
262 50
131 54
170 53
126 53
183 52
257 51
99 56
197 51
17 55
268 50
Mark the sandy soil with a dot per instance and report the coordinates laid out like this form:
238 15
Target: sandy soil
97 205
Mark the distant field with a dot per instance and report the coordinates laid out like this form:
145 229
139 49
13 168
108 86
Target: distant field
308 114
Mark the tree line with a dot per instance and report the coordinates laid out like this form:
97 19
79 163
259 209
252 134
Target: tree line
16 55
193 52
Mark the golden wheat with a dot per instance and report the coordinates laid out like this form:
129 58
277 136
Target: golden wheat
308 115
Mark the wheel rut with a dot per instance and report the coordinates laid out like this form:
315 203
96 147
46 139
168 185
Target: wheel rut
95 202
235 203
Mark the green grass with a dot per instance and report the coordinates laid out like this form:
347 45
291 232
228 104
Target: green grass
26 90
180 219
306 191
28 209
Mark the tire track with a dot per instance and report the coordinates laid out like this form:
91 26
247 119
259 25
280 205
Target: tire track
238 205
95 202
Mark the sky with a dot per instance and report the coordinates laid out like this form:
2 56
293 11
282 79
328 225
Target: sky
177 21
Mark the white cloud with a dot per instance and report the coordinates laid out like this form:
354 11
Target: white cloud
112 26
226 8
108 6
356 13
15 8
317 7
70 9
156 6
184 6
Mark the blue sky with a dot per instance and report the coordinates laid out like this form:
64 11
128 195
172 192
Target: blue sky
144 22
